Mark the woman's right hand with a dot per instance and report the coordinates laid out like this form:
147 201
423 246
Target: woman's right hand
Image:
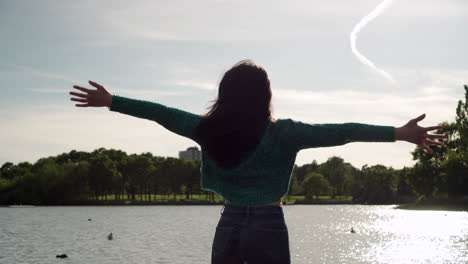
96 98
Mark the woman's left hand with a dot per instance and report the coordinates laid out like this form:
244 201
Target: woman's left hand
96 98
413 133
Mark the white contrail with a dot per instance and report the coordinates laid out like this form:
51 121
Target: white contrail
353 36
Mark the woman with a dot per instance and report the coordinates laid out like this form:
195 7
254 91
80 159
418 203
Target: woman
248 156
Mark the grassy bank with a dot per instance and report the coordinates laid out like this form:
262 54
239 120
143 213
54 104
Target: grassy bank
436 205
193 200
319 200
202 199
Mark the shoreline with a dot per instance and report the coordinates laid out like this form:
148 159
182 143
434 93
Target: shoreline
434 207
440 205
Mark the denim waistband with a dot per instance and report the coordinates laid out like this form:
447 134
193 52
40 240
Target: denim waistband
251 209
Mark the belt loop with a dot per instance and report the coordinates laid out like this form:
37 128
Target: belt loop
222 209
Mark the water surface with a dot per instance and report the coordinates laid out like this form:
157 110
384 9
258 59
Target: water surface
184 234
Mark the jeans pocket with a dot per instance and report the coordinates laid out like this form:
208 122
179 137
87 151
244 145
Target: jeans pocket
224 241
269 245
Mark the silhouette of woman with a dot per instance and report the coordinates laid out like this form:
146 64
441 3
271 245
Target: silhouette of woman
248 156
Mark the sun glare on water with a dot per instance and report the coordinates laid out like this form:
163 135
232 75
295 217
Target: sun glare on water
418 236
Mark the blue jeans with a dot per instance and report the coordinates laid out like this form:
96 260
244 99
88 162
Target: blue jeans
251 234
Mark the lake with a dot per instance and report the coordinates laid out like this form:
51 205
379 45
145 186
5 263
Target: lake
184 234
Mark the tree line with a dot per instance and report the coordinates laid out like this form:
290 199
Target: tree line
77 176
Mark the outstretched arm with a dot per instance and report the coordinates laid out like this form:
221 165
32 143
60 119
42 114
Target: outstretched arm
178 121
304 135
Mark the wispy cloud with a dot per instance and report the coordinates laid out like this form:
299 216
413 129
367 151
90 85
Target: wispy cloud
197 84
140 30
48 90
45 74
214 20
148 93
128 92
431 91
344 97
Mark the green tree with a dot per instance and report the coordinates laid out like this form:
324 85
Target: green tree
305 169
10 170
192 178
138 171
176 174
405 193
457 167
102 171
79 178
336 172
120 158
12 189
72 156
5 170
294 187
445 171
49 181
376 184
316 184
462 127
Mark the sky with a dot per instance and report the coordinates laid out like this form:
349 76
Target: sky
175 52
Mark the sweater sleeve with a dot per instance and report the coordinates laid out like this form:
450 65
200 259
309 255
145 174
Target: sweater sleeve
304 135
178 121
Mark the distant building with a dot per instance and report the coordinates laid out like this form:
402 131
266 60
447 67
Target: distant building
191 153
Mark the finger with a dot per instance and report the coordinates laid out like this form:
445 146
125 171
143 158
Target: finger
436 136
86 90
427 148
433 142
79 94
82 105
433 128
419 118
79 100
97 85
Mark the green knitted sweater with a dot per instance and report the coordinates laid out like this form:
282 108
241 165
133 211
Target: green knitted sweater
265 174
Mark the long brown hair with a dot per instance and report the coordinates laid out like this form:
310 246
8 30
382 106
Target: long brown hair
239 116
